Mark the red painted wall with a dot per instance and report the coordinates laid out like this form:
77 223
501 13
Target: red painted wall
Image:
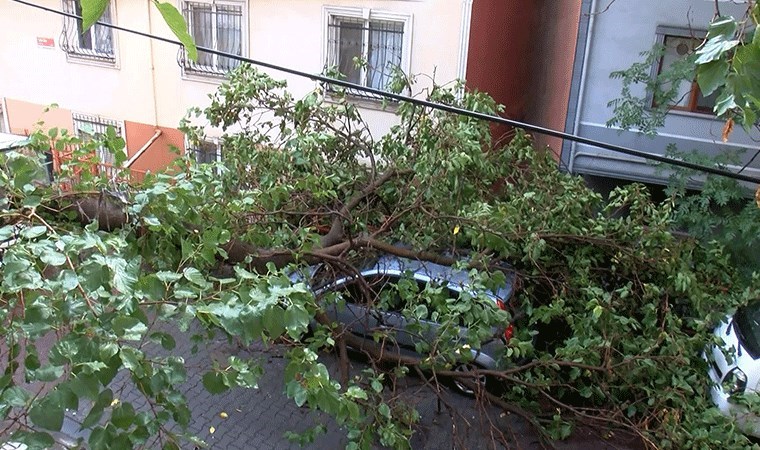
498 60
553 55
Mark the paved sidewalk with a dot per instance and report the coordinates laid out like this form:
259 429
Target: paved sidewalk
242 419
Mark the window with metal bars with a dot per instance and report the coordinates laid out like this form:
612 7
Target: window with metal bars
218 26
206 152
89 127
365 51
97 43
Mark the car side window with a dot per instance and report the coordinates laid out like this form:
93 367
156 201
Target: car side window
378 291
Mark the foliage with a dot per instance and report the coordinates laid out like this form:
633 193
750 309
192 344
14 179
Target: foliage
728 62
647 113
622 308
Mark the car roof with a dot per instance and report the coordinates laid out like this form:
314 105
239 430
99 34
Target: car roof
420 270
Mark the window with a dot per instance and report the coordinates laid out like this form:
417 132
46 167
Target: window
97 43
377 41
678 44
218 26
95 126
206 152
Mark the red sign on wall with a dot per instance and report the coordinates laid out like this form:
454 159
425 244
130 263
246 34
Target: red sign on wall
45 42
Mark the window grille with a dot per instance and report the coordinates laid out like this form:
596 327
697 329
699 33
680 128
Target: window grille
206 152
216 26
96 43
377 45
94 127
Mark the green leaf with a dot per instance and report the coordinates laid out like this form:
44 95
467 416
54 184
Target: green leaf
46 374
715 48
33 232
194 276
384 410
92 10
178 26
34 440
96 412
123 415
712 75
168 277
725 102
129 328
52 258
15 396
214 382
356 392
48 412
131 358
7 232
165 339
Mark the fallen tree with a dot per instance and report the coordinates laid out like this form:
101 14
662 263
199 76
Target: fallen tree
617 310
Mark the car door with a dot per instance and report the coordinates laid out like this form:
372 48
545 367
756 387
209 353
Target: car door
355 305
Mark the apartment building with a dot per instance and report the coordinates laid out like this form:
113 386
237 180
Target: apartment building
143 87
613 37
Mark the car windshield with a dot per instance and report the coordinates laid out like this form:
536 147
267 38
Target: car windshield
747 323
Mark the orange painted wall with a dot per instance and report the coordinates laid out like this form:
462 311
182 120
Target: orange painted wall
159 155
23 117
553 54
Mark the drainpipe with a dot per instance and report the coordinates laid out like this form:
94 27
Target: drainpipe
152 66
464 39
128 163
582 87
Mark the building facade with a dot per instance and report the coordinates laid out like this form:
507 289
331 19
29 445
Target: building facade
612 38
142 86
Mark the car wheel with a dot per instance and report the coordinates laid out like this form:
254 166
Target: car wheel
477 384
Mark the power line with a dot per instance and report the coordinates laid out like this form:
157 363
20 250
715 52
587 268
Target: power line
429 104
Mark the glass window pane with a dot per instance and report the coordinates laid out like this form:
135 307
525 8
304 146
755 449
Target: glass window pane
350 44
229 38
384 52
676 48
201 28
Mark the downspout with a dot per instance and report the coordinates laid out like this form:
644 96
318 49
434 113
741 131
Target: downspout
582 87
152 67
464 39
128 163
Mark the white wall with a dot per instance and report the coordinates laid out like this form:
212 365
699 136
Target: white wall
44 75
617 37
285 32
290 33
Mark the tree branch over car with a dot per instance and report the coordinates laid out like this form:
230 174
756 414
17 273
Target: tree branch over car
604 324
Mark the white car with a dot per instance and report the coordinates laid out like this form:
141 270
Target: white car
735 368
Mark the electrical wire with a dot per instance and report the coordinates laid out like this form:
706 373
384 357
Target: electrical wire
432 105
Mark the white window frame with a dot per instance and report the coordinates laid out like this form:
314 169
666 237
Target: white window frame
662 33
70 45
192 70
330 13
